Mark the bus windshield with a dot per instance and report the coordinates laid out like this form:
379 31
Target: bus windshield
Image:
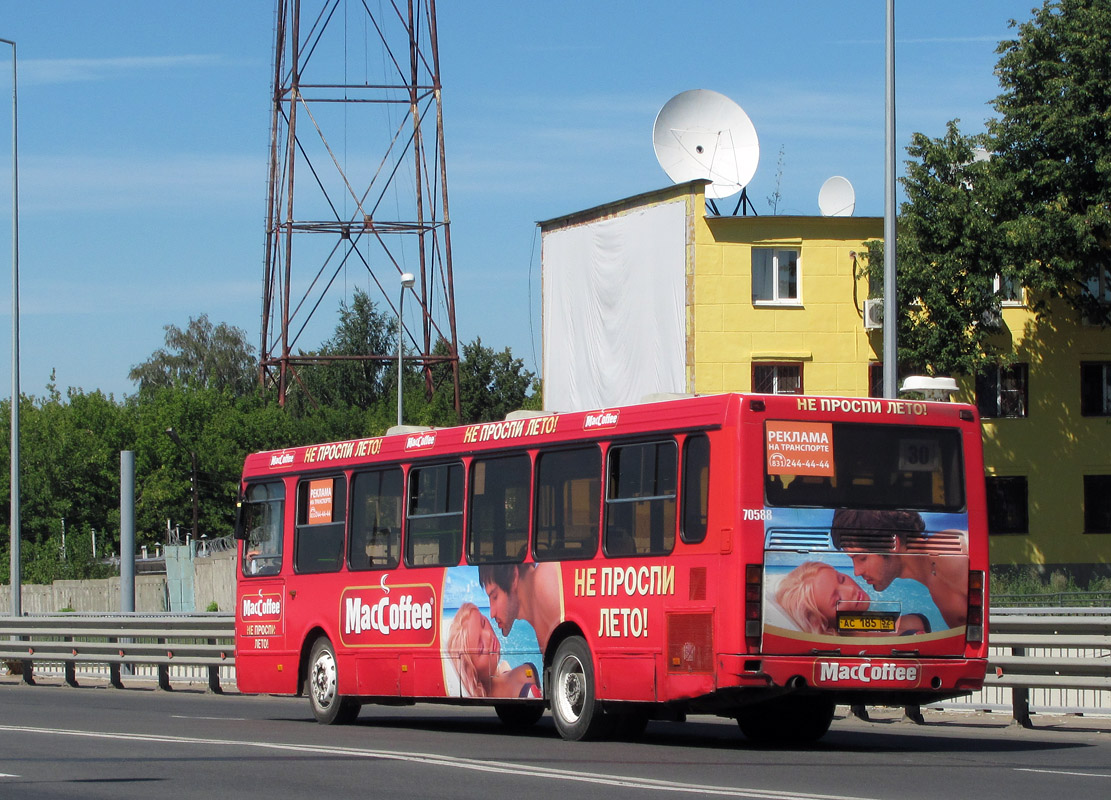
847 465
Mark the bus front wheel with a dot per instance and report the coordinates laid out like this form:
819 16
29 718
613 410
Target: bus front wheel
575 707
328 706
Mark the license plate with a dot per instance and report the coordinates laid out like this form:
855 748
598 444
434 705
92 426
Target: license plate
869 622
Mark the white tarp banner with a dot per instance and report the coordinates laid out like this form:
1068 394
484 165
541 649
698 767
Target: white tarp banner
614 309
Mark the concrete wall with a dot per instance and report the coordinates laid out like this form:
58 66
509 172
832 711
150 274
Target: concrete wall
213 576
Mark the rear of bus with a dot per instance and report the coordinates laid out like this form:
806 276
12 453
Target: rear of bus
872 583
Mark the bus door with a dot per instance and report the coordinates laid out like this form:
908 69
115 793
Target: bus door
260 598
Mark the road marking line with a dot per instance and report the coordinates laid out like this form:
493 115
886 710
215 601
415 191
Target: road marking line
1063 772
497 767
212 719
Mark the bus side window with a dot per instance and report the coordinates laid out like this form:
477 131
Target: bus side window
321 512
640 499
696 488
568 503
434 526
264 512
375 520
499 505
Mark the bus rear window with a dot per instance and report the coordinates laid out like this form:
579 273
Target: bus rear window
847 465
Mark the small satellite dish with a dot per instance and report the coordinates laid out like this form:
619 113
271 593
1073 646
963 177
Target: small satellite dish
704 134
837 198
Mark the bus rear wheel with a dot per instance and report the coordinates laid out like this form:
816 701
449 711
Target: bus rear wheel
792 719
518 716
575 707
322 687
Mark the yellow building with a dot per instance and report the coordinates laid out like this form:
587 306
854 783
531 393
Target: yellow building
649 294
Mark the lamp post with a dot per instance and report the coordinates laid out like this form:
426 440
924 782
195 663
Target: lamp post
407 281
193 459
15 577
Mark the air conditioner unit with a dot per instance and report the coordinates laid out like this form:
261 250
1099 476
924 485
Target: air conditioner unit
873 314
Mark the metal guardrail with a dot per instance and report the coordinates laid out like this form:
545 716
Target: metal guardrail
1079 640
120 640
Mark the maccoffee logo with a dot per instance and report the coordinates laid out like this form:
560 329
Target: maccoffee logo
601 419
282 459
868 672
262 606
420 441
383 615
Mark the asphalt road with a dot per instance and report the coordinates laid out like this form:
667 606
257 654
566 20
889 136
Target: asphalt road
93 742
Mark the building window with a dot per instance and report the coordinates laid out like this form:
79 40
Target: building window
775 275
1095 388
777 378
1009 290
875 379
1003 391
1099 288
1007 505
1097 504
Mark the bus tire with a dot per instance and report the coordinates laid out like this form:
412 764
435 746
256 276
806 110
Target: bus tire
518 716
574 701
329 707
792 719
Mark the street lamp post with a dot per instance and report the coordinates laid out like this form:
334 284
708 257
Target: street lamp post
407 281
15 575
193 459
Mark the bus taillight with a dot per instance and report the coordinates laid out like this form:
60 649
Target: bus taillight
754 577
975 631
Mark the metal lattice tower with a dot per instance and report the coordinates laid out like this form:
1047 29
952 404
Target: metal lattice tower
336 212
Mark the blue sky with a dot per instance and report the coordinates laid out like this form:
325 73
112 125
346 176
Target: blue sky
144 130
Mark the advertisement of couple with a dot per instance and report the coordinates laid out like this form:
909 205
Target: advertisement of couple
496 622
917 591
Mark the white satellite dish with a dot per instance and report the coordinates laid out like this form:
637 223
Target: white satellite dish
837 198
704 134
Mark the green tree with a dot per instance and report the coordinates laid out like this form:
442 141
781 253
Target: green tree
946 265
203 356
1051 162
362 330
491 383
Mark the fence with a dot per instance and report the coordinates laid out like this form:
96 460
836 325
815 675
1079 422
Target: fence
123 642
1055 651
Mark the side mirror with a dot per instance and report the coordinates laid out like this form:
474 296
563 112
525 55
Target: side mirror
240 529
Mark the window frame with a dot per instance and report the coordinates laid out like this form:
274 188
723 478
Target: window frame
594 490
393 540
273 507
306 532
1102 386
656 503
453 490
694 503
996 487
770 269
990 382
1097 516
474 537
776 377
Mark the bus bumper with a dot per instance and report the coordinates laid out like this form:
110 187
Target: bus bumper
928 675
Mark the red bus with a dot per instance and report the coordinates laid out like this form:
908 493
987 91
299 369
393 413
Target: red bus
758 557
